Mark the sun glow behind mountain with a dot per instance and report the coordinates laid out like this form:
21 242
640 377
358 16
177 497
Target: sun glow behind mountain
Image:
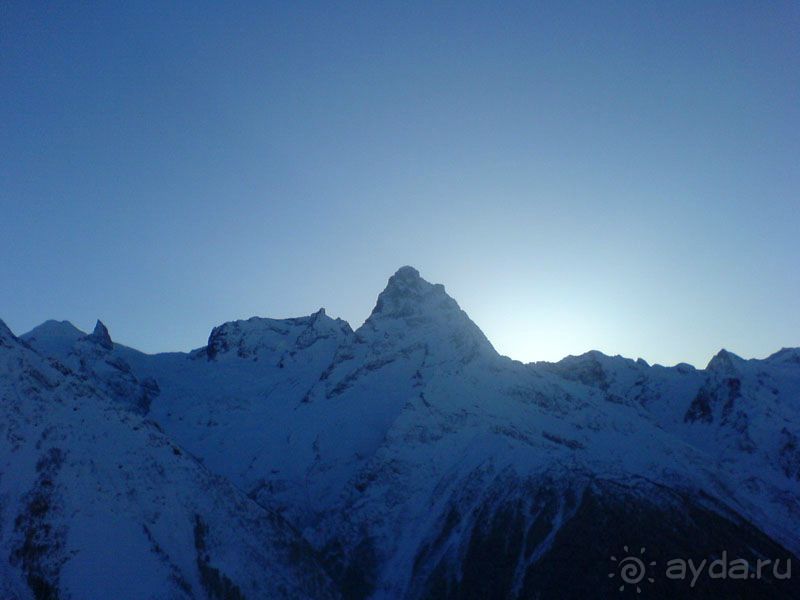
614 176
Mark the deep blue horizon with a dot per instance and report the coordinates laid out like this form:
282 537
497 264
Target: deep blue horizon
615 177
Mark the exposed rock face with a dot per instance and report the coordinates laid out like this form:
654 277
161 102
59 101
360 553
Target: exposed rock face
789 453
553 543
101 336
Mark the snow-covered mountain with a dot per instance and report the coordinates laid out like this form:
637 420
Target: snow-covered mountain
97 502
407 459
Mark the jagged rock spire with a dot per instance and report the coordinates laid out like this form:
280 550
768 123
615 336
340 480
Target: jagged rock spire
101 336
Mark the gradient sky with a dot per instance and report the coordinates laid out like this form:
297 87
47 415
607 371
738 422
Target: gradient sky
620 176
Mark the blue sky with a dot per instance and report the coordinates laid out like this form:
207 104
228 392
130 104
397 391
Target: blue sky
621 176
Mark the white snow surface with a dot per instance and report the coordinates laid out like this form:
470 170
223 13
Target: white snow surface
97 502
303 431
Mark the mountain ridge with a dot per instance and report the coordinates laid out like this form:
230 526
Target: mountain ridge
409 454
405 279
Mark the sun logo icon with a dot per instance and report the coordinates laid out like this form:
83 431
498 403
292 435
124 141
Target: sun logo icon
632 570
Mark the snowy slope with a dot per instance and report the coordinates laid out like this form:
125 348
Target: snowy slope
98 503
420 463
53 338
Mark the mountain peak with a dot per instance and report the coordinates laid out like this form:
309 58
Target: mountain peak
52 327
407 294
405 282
723 361
101 335
411 310
407 273
53 338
